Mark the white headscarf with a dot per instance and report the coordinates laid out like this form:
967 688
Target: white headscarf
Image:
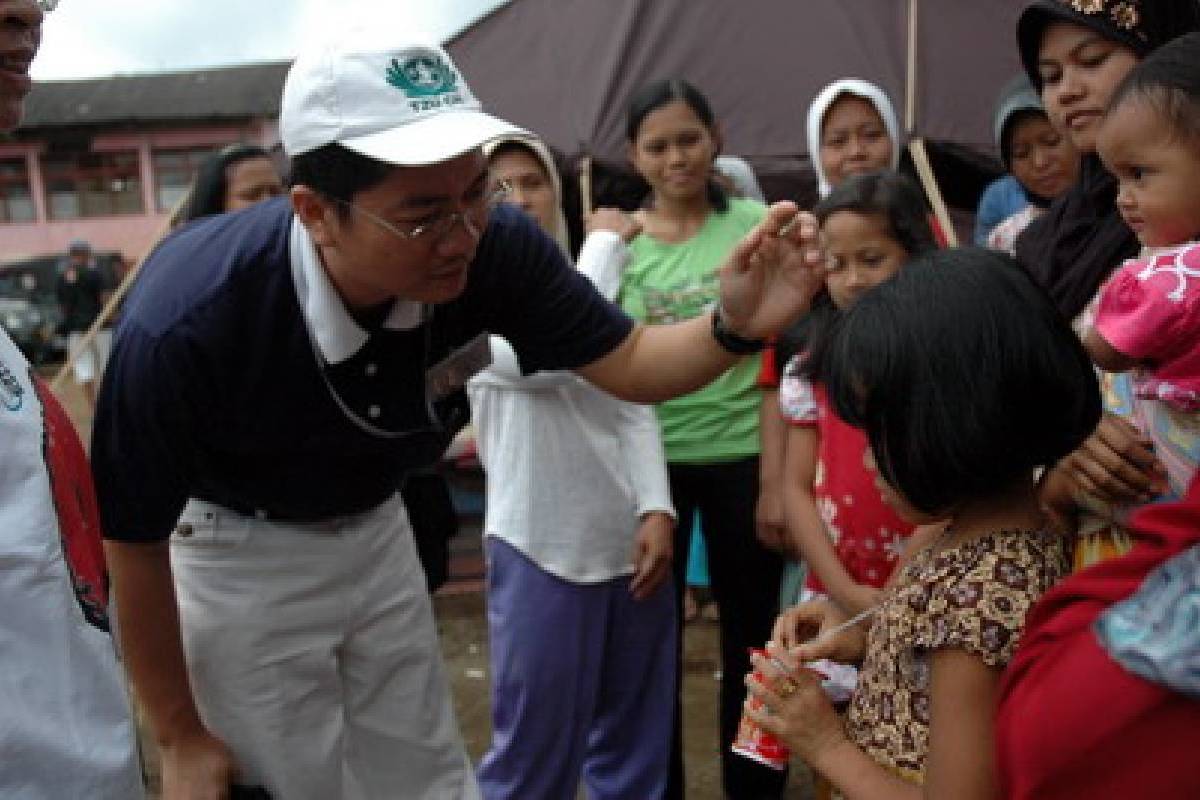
741 176
539 149
820 107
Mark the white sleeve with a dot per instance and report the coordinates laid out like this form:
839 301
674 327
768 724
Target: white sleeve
506 370
602 260
641 445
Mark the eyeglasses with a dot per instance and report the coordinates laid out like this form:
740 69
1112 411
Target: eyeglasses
526 183
439 228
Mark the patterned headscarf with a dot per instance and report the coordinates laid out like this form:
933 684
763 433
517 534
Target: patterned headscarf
1140 25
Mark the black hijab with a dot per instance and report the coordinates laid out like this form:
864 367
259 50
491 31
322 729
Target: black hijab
1071 248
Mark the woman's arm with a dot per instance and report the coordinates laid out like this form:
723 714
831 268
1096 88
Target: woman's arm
805 525
769 521
641 448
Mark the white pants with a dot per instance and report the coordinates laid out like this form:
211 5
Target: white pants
313 655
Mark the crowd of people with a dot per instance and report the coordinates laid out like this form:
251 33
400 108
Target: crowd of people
948 496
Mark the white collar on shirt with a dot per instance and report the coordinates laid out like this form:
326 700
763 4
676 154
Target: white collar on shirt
333 329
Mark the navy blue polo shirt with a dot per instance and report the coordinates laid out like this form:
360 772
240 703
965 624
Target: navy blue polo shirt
215 389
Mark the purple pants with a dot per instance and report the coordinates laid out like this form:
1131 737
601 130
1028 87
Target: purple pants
583 684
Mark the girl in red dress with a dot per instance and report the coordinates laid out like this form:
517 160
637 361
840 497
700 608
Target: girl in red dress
872 224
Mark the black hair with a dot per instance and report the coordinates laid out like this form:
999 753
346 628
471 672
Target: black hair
207 195
885 195
1168 80
338 173
964 376
662 93
889 196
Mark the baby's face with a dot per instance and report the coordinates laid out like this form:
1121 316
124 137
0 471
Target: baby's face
1158 169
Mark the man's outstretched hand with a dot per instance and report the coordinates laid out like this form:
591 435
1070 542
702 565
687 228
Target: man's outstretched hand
771 277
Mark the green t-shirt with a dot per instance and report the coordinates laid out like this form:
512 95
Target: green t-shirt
672 282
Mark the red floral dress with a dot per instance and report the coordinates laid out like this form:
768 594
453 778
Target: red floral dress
867 534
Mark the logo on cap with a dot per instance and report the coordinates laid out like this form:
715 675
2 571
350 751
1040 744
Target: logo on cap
422 76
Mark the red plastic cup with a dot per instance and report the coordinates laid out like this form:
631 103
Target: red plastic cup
753 742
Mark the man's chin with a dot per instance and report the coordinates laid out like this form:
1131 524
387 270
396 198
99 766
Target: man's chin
444 287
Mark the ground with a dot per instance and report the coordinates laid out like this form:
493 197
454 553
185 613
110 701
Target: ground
459 608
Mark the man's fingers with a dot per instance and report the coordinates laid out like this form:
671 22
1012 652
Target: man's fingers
801 229
740 257
781 218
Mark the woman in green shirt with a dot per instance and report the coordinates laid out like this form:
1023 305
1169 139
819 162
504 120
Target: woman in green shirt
710 436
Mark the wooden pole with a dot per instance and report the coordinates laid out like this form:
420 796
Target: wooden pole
910 82
920 159
585 186
114 301
916 145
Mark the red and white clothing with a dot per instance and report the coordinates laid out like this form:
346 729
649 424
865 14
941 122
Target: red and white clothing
65 724
868 536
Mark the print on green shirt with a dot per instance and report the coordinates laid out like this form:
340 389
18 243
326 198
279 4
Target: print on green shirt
672 282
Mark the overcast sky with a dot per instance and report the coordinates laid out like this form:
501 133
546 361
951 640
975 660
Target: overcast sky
92 38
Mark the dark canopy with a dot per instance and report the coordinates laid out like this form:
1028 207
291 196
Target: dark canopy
565 68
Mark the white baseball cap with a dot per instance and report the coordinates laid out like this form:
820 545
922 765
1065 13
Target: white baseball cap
403 102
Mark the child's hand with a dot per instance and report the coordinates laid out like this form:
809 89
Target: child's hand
794 706
799 631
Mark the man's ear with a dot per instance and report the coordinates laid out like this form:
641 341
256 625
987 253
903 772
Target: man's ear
316 214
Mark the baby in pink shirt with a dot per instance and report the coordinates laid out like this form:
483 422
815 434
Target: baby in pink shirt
1149 313
1148 317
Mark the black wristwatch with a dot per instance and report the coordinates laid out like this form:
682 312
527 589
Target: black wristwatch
730 341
